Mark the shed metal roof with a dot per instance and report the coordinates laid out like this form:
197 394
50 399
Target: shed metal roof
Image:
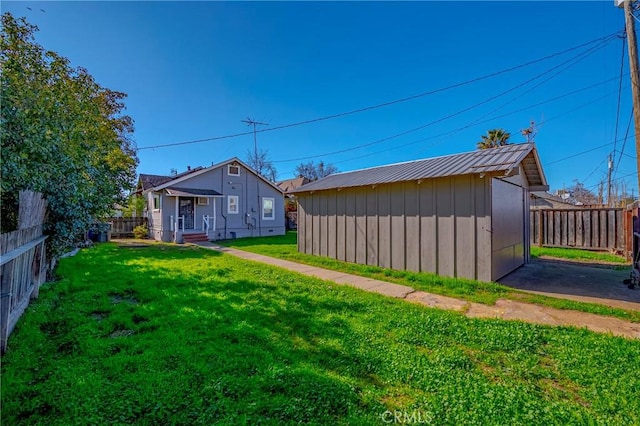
502 159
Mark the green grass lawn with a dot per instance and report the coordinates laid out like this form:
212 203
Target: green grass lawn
285 247
181 335
577 254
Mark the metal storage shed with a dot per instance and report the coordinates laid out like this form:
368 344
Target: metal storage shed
463 215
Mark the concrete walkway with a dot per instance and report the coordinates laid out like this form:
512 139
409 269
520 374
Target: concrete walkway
503 308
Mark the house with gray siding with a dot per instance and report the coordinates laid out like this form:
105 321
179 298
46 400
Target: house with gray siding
223 201
464 215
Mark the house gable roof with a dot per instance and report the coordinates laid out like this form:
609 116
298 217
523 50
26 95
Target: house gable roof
173 180
493 160
291 184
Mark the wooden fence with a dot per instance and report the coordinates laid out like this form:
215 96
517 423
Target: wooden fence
22 271
122 227
592 229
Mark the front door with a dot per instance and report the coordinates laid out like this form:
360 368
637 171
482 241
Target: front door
186 210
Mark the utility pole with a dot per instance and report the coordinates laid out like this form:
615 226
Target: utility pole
635 76
609 171
254 123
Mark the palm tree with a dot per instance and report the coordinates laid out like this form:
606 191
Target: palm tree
494 138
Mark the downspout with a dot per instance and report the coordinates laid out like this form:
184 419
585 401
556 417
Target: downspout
222 204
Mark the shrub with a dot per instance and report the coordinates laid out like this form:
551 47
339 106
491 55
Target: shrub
141 231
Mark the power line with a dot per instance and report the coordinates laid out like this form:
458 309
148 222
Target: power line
615 135
594 170
441 119
604 39
446 134
614 180
626 136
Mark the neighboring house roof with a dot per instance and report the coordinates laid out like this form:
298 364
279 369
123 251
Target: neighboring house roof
170 181
146 182
149 181
291 184
193 192
546 196
501 159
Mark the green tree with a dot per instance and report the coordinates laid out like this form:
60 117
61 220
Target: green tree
315 171
135 206
62 135
494 138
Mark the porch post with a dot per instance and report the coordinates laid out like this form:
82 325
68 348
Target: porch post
214 214
175 233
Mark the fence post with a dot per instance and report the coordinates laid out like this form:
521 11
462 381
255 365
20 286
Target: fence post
540 228
5 302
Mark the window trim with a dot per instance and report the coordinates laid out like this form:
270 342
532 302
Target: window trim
158 196
237 204
201 203
229 166
273 208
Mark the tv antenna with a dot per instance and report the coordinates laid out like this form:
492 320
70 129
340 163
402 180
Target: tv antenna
251 122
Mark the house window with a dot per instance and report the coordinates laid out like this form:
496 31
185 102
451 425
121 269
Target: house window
267 208
156 201
233 170
203 201
232 204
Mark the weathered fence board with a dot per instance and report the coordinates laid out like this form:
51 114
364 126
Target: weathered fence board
22 271
592 229
122 227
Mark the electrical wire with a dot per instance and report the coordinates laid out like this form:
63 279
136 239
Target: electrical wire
594 170
441 119
615 134
604 39
493 118
626 136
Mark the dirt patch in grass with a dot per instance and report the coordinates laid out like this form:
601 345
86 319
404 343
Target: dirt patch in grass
127 296
122 333
99 315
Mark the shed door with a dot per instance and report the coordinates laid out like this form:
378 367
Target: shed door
507 225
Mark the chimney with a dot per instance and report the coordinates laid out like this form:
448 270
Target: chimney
188 168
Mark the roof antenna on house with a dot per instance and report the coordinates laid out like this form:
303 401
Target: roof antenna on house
254 123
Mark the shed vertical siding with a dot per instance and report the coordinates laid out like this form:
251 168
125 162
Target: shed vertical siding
302 217
372 227
315 220
361 227
331 226
412 226
465 232
482 205
428 227
324 229
445 243
308 222
350 227
398 248
384 226
341 226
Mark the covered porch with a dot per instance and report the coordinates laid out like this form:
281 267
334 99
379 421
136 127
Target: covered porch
194 213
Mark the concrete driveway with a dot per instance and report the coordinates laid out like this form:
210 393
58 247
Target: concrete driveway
576 281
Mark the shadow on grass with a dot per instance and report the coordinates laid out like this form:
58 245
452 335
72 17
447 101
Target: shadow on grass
243 348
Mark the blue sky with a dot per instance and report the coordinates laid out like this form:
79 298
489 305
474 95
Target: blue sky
194 70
